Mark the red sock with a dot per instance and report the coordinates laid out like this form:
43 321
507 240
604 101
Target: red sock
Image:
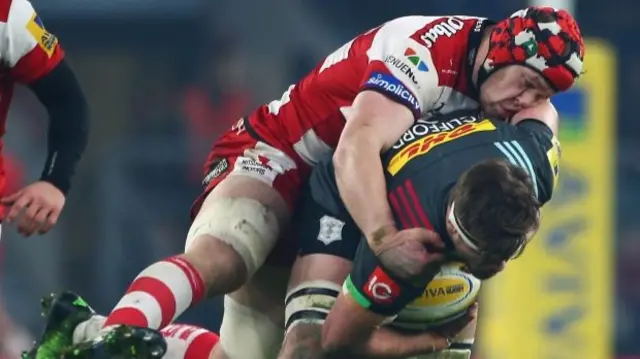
188 341
158 295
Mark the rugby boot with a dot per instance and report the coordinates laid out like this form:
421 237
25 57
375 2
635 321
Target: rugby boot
63 312
120 342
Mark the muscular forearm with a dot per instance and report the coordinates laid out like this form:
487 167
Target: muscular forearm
362 186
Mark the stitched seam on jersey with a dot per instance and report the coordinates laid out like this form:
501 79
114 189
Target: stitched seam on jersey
252 132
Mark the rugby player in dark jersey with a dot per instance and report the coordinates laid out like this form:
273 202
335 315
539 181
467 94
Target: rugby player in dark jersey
476 183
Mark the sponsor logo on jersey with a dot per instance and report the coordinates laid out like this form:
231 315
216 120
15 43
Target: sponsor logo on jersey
448 27
442 291
423 127
215 170
46 40
402 66
553 155
330 230
249 167
413 57
381 288
426 143
478 26
393 87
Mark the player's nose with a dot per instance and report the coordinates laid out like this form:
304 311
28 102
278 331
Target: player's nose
526 99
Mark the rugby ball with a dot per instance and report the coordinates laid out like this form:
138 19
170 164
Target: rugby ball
446 298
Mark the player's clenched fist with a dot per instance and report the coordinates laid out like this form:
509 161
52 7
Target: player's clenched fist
411 253
36 207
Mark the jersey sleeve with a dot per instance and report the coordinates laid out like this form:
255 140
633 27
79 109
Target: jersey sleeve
545 152
401 68
377 289
28 49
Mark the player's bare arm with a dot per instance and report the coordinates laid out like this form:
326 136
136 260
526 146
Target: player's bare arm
373 124
388 343
381 342
350 325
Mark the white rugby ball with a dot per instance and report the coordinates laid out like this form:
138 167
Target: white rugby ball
446 298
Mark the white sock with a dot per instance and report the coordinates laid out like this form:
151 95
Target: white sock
176 348
88 329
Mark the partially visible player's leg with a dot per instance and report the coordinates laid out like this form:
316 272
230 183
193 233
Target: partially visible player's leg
186 341
253 322
64 310
237 224
315 283
230 238
328 242
235 228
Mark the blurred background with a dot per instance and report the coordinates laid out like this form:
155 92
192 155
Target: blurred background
165 77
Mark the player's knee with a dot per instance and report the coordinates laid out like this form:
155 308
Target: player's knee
221 268
233 232
248 333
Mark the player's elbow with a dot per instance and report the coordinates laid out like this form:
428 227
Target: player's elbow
544 112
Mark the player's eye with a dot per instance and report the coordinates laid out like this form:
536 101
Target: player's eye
529 85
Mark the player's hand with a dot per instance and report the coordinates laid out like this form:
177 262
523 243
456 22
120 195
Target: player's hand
412 253
451 330
36 207
442 337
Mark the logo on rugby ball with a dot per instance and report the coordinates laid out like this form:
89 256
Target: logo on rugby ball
442 291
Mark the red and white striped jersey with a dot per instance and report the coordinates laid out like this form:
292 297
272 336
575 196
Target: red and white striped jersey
27 52
422 62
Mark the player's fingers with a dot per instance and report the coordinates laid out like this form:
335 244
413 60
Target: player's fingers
18 207
52 219
453 328
433 265
48 222
438 342
41 220
8 200
27 223
426 237
473 311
